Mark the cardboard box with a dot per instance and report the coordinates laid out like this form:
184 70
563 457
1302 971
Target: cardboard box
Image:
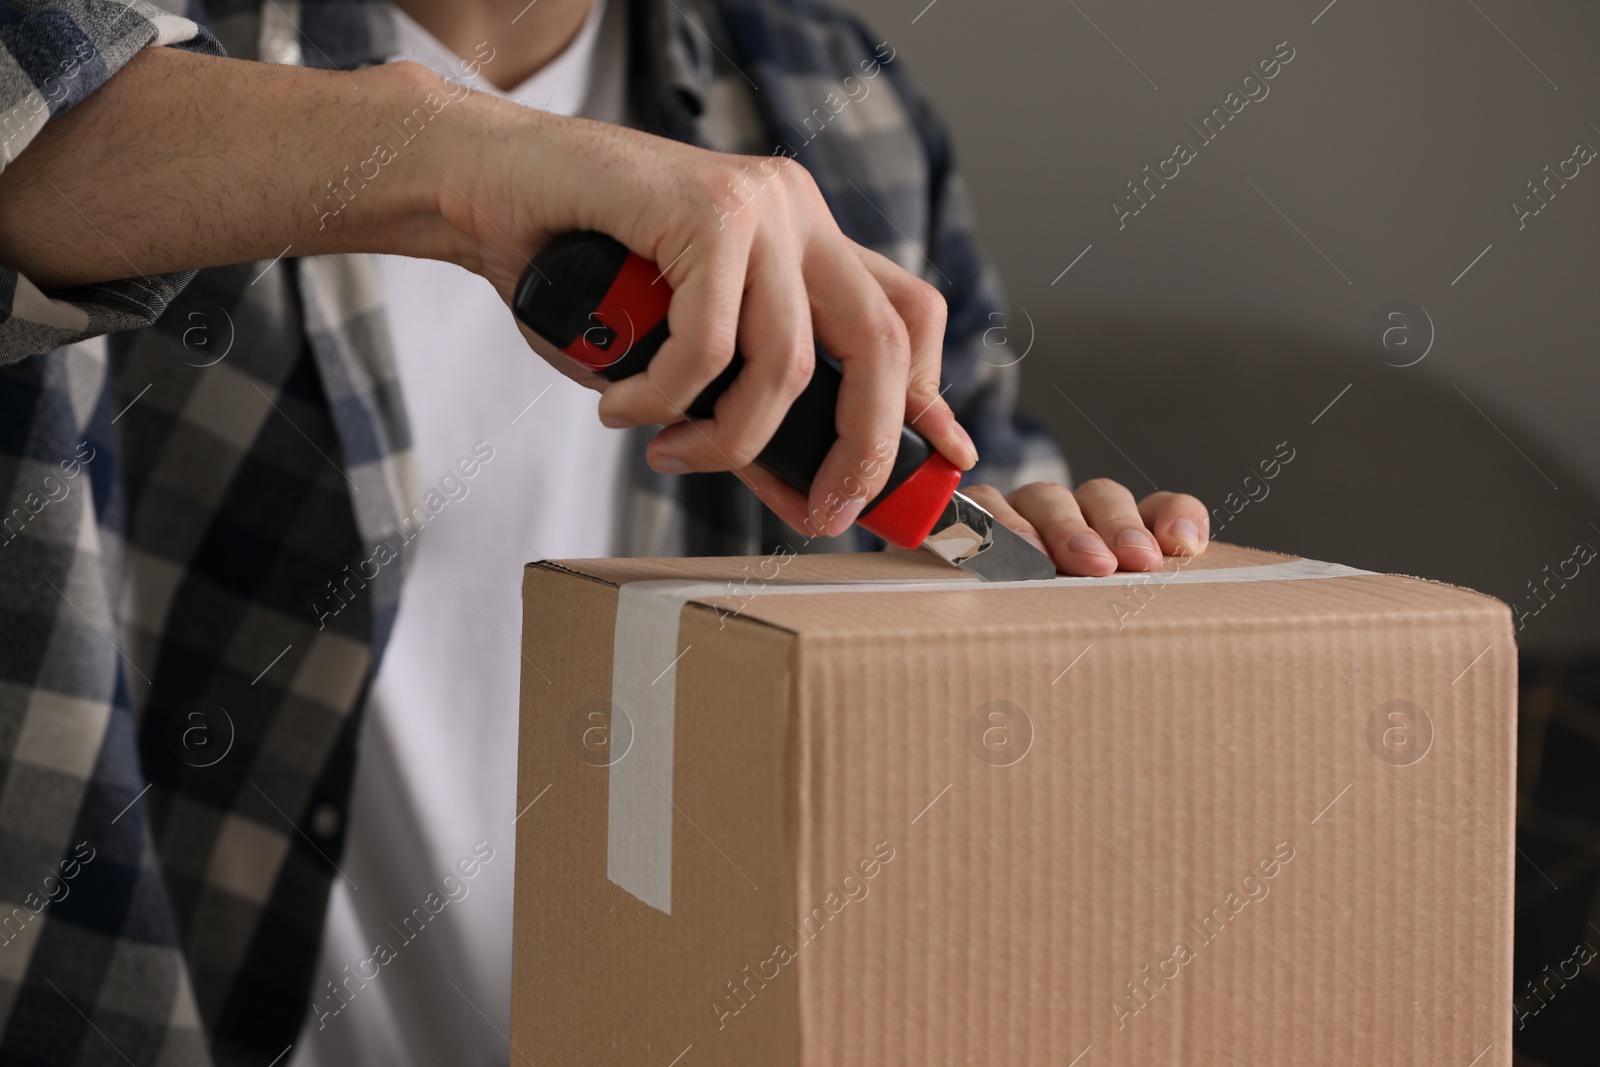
857 811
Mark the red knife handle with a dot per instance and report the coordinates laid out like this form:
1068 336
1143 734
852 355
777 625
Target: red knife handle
606 307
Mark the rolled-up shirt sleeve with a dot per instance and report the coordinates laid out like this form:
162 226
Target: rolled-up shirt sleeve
52 56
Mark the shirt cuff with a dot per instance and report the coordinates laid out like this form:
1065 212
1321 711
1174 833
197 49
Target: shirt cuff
51 59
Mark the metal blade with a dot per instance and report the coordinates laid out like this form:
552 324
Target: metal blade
981 545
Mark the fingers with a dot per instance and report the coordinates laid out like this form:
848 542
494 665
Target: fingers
779 355
1108 507
762 278
1179 521
858 324
1053 511
703 319
923 310
1099 529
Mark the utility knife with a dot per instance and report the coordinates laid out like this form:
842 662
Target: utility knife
606 307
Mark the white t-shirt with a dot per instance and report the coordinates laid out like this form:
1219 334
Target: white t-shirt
436 771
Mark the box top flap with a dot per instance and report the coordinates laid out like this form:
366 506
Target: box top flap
854 594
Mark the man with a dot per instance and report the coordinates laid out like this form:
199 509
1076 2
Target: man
207 518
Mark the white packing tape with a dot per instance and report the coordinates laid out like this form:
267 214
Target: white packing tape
644 686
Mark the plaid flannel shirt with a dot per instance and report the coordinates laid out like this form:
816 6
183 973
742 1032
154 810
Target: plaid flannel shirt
185 459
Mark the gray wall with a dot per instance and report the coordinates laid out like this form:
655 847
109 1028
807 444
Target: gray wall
1184 345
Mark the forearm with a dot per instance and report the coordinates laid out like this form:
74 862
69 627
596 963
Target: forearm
184 161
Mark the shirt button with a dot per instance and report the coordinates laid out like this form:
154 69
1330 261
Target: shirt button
325 820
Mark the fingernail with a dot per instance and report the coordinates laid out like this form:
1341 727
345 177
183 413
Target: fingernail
845 517
1132 538
614 422
1035 542
1088 544
669 465
1187 534
972 448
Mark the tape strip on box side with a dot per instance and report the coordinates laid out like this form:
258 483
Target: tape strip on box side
644 688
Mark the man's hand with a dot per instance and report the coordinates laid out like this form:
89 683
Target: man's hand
1099 528
184 161
754 258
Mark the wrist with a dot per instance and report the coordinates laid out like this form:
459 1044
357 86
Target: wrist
482 179
414 130
486 179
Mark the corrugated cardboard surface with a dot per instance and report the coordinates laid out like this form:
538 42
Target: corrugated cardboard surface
1101 897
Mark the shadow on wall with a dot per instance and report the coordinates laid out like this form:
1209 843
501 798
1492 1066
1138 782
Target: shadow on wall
1389 468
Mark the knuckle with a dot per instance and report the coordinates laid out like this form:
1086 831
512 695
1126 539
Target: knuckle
925 386
720 176
741 450
986 495
798 370
666 413
720 341
1100 487
726 189
928 302
665 405
894 342
772 167
798 179
1035 491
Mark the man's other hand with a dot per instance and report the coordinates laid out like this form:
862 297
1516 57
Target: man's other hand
1098 528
